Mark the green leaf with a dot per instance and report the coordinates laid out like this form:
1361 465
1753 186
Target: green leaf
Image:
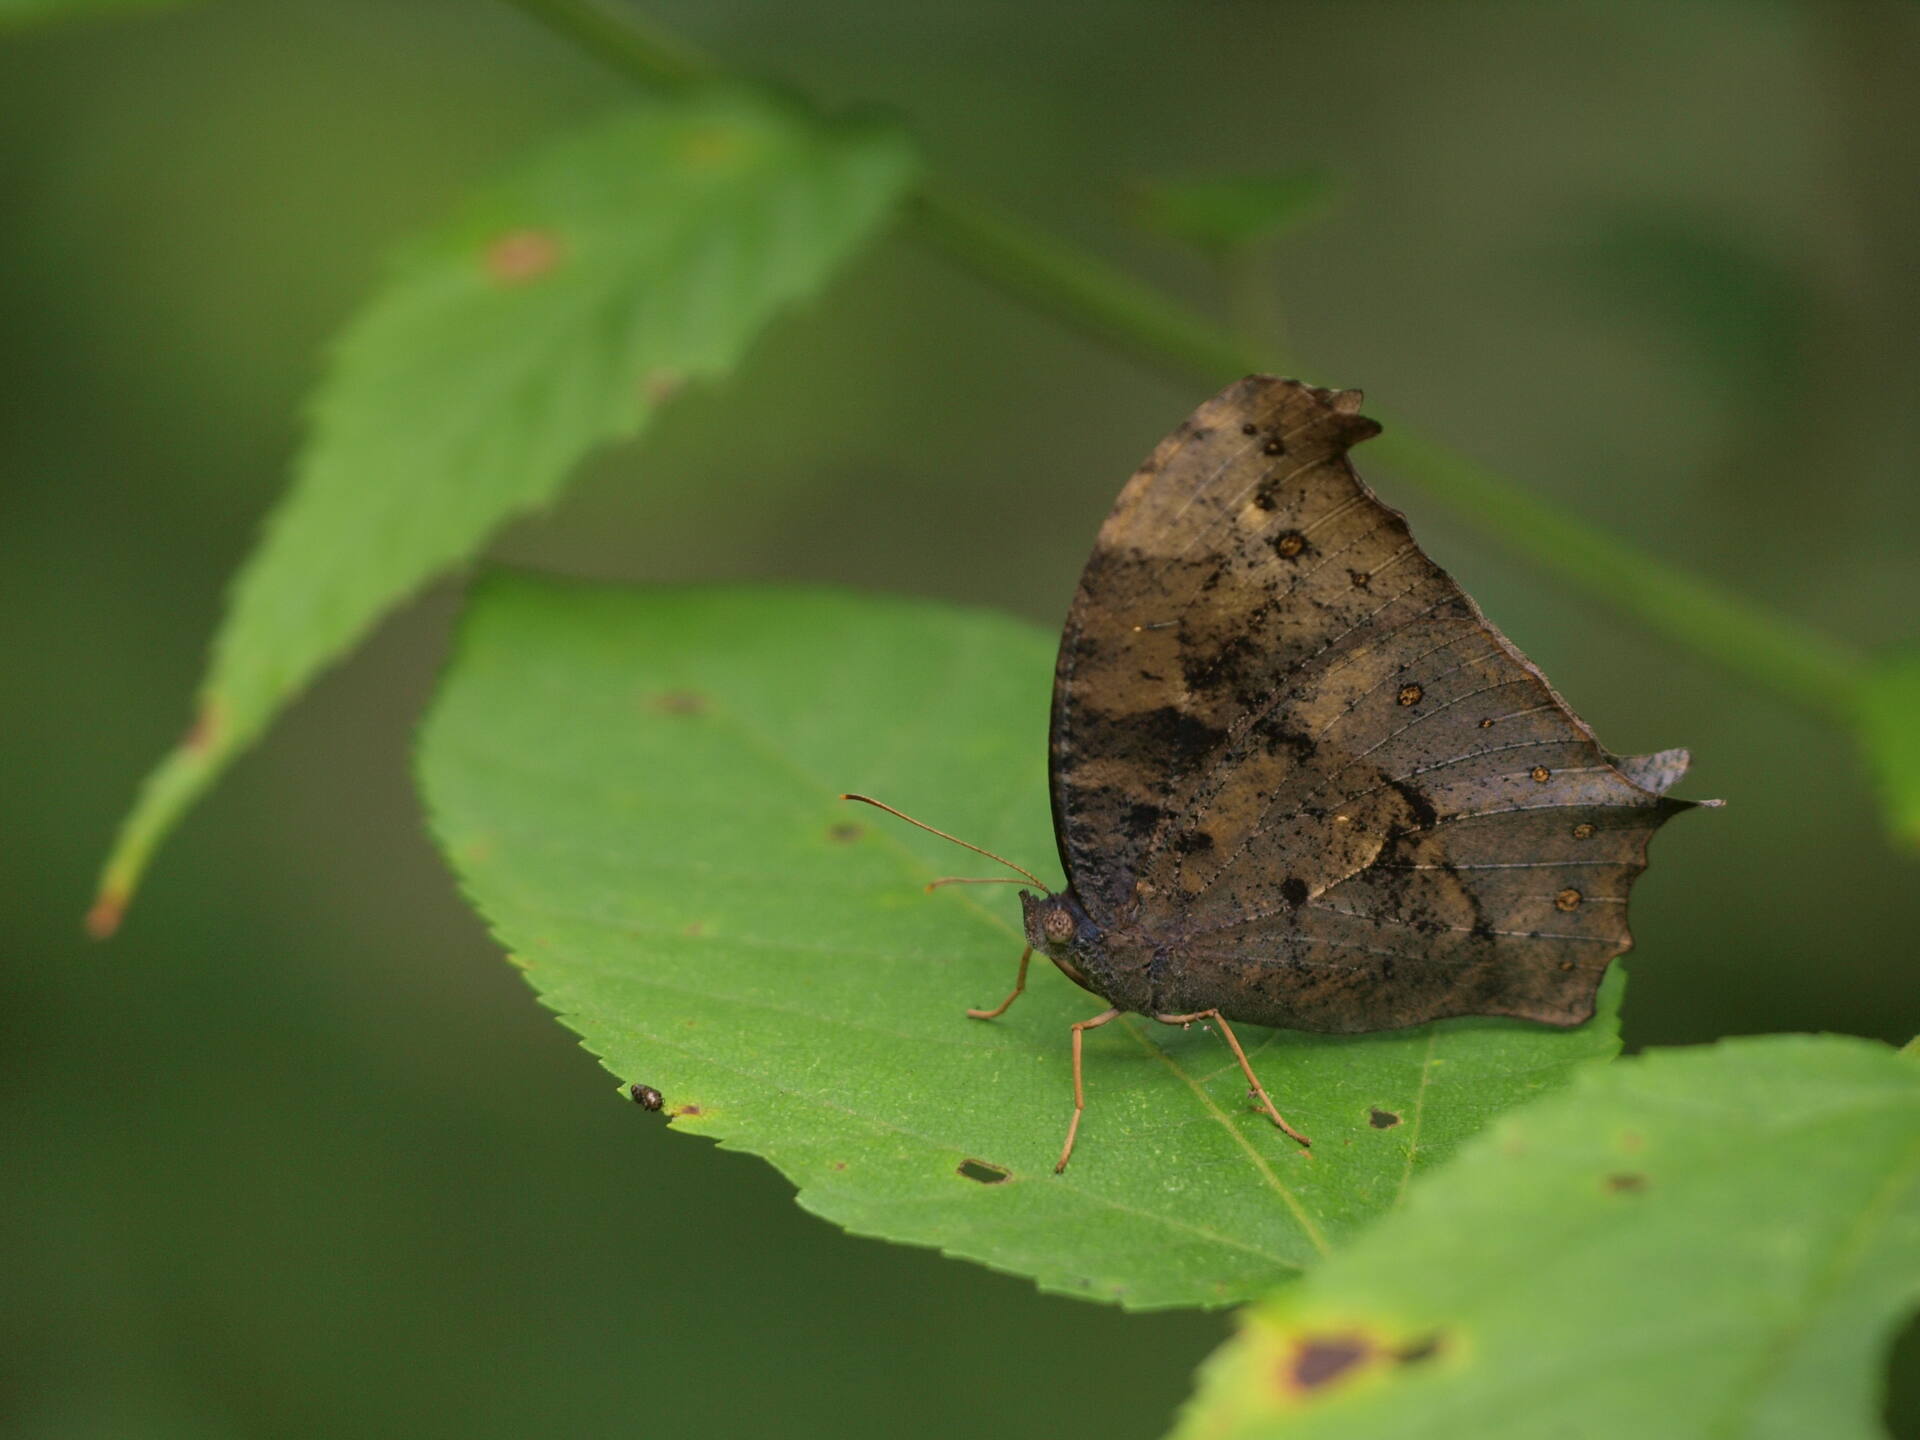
556 314
1226 212
1714 1242
638 791
1890 730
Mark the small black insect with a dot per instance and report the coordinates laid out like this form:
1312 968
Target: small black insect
646 1097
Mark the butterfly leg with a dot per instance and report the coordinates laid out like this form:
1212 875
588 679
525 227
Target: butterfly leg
1259 1090
1019 984
1080 1029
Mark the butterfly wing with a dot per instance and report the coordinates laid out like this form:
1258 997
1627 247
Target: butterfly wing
1295 765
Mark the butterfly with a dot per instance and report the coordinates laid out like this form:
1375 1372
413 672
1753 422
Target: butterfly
1299 779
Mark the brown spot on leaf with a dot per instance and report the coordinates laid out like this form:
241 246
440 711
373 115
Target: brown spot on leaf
1312 1362
204 732
1632 1141
689 1110
1382 1119
844 833
1410 695
1626 1182
679 702
1317 1360
694 929
645 1096
520 256
1567 899
984 1172
1540 774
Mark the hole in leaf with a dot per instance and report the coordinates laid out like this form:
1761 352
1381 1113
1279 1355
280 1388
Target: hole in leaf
984 1173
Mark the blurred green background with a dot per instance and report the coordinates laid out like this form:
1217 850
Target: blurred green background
297 1154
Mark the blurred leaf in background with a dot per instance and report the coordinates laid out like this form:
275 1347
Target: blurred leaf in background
1225 212
1740 314
1891 721
559 311
1708 1244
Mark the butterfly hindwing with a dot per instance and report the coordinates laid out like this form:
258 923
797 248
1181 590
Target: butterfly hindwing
1299 775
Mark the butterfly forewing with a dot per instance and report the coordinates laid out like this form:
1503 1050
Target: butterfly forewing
1295 765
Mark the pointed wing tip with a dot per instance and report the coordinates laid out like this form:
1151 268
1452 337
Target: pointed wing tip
1658 772
1344 405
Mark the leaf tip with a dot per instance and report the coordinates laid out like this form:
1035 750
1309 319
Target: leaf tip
108 909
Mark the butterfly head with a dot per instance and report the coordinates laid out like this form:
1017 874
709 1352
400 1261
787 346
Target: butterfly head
1059 929
1051 920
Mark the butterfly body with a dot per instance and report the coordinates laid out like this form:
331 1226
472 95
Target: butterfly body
1298 778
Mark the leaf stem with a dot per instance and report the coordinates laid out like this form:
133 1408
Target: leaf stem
624 40
1779 654
1075 286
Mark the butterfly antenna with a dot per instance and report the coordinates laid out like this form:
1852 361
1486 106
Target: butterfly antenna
878 805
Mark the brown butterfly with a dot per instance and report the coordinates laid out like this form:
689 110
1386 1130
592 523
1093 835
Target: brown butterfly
1299 779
